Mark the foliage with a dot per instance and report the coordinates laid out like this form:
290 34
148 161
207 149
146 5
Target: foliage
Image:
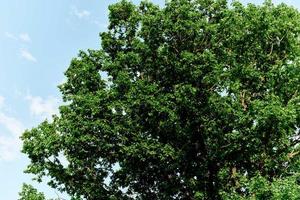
30 193
260 188
195 100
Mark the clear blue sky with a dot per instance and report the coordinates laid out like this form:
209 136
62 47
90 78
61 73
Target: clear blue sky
37 41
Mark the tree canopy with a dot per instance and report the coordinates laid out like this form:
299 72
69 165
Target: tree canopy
198 99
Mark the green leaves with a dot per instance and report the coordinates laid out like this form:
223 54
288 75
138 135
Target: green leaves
260 188
195 100
30 193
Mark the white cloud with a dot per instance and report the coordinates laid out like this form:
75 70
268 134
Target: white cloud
10 143
10 36
25 37
80 13
44 108
27 55
14 126
85 15
9 148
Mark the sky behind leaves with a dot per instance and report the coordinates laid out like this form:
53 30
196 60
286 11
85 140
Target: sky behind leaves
38 39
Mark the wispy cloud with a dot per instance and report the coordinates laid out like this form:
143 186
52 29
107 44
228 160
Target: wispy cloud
11 36
80 13
9 148
14 126
44 108
10 143
85 15
27 55
24 37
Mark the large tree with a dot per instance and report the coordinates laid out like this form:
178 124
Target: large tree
198 99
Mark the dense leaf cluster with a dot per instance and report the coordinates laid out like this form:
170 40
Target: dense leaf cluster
30 193
195 100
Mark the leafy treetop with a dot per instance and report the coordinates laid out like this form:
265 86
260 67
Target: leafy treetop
198 99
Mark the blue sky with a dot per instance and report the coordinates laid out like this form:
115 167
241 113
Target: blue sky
37 41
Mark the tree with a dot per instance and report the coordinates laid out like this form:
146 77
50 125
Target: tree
30 193
195 100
